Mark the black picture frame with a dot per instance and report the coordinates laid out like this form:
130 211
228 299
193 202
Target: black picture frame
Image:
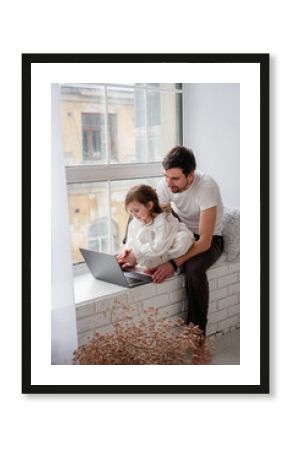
248 58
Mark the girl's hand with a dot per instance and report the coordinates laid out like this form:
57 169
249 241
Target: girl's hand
127 259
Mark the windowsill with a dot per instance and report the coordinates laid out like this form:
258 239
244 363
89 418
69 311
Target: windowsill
87 288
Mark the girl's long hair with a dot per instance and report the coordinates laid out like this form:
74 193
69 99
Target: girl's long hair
144 194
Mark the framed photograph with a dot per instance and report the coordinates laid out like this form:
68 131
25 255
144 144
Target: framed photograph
93 127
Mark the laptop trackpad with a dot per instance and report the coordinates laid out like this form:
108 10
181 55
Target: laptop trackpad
136 278
136 275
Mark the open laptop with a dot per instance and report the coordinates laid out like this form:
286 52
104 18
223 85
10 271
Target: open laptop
106 268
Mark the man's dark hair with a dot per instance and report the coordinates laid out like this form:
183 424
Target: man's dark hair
180 157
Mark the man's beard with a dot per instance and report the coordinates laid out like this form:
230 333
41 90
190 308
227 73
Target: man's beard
176 189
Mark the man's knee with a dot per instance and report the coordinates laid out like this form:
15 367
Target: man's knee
194 269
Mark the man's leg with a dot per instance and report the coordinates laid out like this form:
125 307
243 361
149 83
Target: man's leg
197 285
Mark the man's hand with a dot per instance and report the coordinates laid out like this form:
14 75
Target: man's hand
162 272
127 259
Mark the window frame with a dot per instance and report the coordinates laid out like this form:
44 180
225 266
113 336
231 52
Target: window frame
108 172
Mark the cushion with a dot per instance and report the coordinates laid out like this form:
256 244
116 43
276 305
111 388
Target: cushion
231 233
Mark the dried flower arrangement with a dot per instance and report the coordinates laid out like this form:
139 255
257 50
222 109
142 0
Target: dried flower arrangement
148 341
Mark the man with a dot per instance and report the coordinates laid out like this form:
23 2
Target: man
196 198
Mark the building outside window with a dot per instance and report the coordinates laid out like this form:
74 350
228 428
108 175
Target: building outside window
115 137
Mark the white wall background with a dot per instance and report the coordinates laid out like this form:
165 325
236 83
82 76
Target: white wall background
171 422
212 131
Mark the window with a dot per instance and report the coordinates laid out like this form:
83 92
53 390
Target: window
94 135
115 137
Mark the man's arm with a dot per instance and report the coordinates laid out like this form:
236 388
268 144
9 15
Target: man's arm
206 229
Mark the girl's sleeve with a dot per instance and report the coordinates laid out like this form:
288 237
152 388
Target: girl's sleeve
162 240
184 239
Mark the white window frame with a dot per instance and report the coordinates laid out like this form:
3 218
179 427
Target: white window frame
115 172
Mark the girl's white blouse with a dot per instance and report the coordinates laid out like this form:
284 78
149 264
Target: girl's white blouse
163 239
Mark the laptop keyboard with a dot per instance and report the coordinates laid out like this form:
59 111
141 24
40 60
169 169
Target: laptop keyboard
132 280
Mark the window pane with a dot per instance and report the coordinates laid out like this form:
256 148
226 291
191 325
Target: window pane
119 190
163 124
127 132
137 125
83 123
89 215
88 212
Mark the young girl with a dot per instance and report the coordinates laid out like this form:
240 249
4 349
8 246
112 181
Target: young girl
154 235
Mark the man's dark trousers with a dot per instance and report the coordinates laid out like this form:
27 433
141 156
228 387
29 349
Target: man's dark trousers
196 283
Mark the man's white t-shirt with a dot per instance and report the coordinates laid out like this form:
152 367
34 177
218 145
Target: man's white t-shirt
202 194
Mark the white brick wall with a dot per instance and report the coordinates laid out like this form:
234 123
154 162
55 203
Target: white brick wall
98 315
224 301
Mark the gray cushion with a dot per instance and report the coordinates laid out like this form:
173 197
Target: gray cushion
231 233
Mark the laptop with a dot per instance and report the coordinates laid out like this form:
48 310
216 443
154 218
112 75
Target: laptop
106 268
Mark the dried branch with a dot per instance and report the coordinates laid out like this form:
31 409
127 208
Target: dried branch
149 341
